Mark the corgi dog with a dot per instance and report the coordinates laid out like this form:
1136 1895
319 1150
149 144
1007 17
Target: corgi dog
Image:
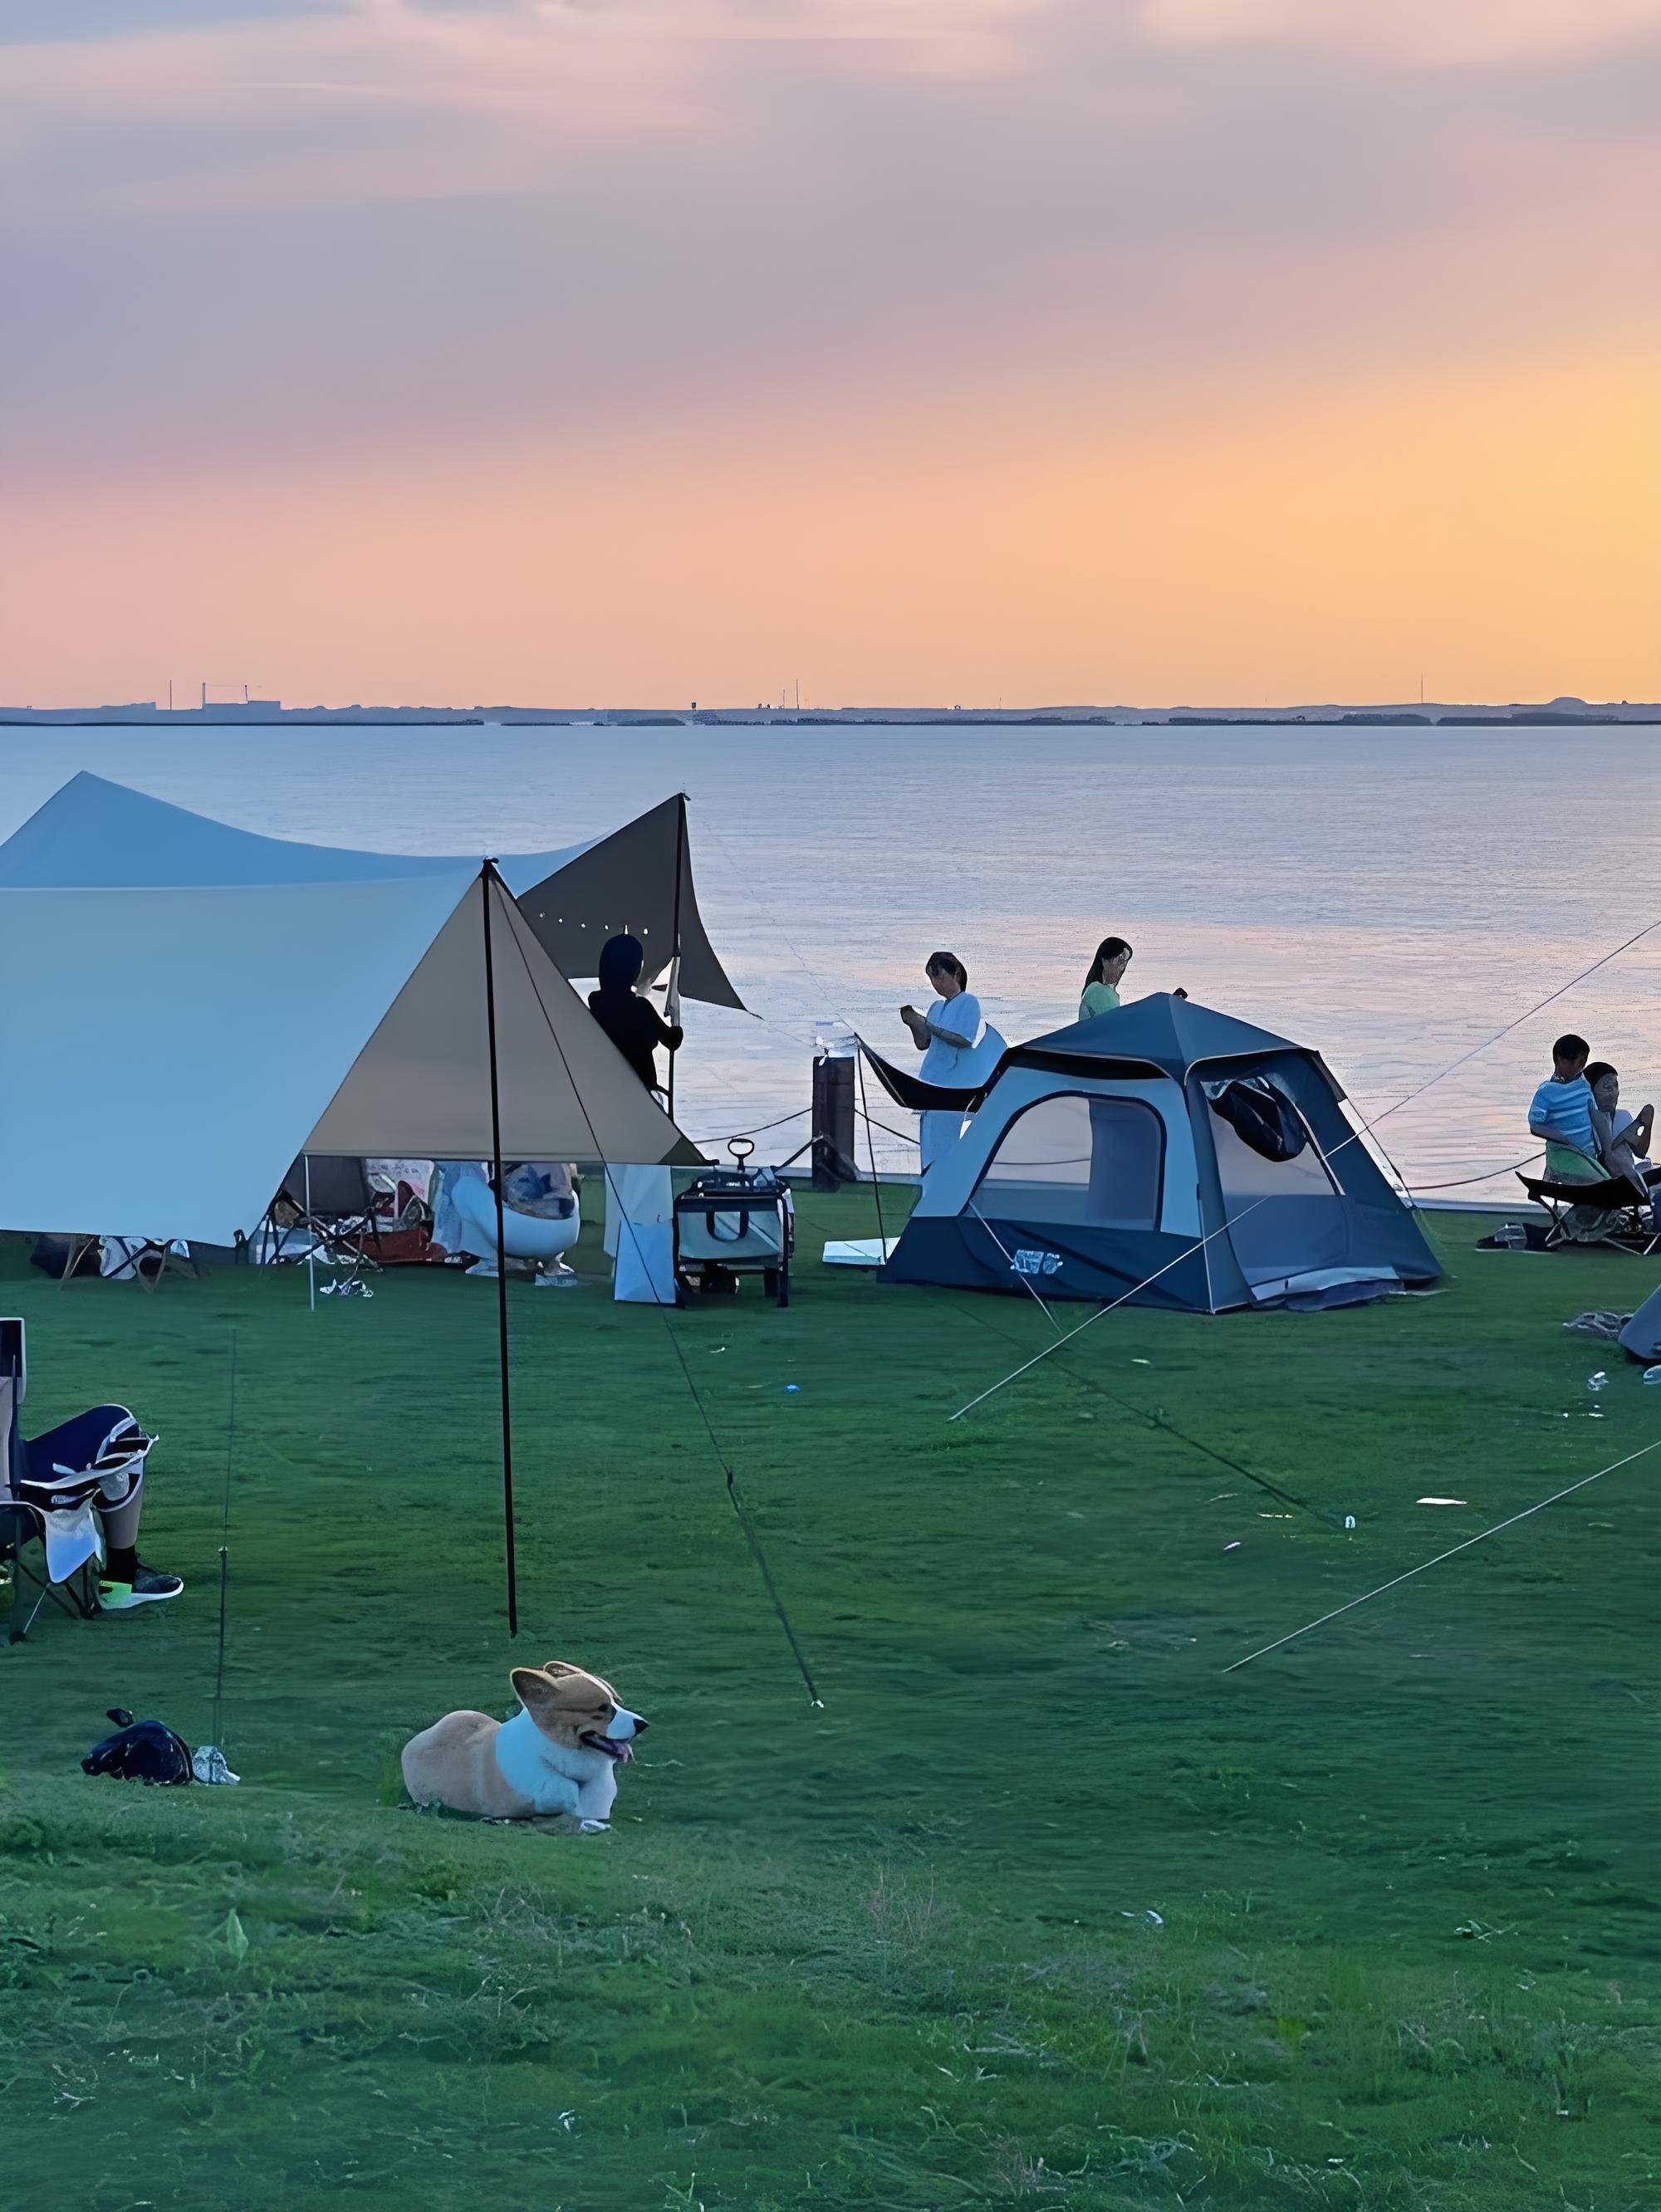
559 1754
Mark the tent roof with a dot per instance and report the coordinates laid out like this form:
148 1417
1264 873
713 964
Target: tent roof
1161 1032
95 833
174 1049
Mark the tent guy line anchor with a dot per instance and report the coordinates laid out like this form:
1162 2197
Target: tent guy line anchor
1201 1243
1309 1627
734 1497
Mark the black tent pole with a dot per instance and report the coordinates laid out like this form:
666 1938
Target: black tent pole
680 847
487 882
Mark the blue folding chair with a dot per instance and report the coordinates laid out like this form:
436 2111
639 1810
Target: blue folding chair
96 1455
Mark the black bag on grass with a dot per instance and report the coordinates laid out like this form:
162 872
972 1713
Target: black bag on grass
140 1751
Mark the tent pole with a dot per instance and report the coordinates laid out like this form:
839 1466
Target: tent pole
488 881
680 847
871 1152
311 1248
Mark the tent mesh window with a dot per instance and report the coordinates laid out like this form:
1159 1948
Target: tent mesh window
1094 1162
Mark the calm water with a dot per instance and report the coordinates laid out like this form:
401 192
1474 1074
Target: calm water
1391 897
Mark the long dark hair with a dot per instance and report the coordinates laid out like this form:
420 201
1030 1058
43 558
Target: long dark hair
1108 949
952 965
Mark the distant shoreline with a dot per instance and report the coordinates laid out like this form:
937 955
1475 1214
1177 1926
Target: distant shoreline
1558 713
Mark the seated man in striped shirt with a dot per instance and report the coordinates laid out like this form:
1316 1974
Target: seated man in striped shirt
1561 1116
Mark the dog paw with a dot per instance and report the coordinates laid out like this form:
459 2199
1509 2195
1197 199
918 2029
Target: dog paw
596 1828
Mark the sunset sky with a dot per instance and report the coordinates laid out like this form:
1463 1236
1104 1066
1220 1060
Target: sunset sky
621 351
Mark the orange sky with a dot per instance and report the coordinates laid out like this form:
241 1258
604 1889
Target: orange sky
1177 350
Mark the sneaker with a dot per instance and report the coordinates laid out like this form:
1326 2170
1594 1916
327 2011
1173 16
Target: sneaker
148 1587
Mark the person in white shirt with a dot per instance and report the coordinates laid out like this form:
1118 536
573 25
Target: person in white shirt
1623 1138
947 1036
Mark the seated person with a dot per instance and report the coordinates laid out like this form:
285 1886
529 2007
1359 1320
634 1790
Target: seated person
1623 1138
1560 1112
539 1215
125 1580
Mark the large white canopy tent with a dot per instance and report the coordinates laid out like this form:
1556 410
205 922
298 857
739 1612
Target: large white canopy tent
188 1006
637 877
183 1019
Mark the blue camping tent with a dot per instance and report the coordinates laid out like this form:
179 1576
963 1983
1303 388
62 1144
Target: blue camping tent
1168 1151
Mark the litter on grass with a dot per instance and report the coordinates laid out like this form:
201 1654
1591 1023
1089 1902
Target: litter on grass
1443 1501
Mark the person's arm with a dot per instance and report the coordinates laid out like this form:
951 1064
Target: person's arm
1603 1134
948 1037
918 1027
665 1033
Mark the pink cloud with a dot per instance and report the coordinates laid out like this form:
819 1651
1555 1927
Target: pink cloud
1453 32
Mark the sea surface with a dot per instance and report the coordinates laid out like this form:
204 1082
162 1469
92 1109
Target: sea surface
1393 898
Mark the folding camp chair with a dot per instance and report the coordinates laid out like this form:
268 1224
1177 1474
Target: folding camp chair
1624 1227
142 1259
325 1197
51 1482
146 1259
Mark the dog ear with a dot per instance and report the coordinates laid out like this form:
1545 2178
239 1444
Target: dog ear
533 1688
555 1668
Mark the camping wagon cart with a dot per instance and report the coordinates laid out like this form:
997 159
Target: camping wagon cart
739 1218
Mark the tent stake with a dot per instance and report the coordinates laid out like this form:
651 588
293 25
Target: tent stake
488 881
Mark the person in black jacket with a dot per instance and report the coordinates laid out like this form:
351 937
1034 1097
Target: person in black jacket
633 1023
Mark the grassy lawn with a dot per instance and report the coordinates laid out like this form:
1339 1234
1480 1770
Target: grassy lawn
902 1951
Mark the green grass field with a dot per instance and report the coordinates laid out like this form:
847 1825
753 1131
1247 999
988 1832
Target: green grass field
900 1952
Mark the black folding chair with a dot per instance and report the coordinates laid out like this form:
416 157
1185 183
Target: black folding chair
1624 1217
325 1196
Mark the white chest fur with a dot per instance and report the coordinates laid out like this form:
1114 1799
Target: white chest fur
548 1775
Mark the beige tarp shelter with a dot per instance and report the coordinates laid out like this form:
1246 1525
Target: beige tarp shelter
176 1033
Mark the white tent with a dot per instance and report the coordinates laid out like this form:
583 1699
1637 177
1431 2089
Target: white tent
638 877
170 1046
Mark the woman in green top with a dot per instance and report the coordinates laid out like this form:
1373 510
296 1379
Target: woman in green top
1101 988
